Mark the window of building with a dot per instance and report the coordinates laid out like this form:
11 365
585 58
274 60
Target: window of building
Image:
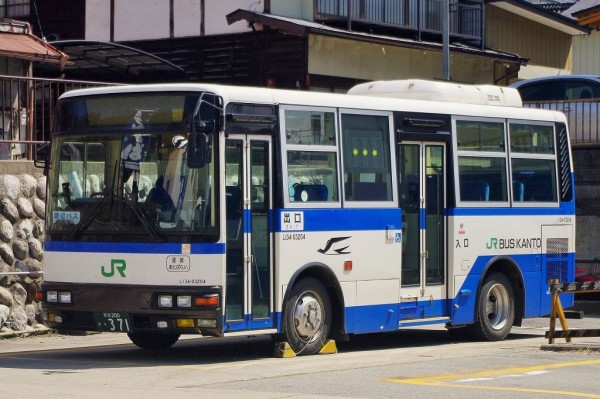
15 8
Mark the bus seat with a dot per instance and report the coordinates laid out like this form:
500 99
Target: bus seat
478 190
315 192
375 191
518 190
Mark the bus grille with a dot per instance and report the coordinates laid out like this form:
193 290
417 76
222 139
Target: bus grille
557 259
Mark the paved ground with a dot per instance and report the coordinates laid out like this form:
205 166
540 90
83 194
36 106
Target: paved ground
49 340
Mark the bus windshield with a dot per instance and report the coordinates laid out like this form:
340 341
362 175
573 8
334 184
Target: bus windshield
113 179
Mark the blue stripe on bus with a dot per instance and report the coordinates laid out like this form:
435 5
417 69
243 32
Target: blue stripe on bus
131 247
342 219
533 269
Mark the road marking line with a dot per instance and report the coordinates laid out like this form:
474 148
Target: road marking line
427 380
454 380
529 390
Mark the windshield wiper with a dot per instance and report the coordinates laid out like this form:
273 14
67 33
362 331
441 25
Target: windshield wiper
94 208
141 216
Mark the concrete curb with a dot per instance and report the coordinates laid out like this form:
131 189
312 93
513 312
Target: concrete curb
571 347
27 333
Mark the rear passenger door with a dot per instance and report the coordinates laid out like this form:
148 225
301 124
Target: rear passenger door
422 173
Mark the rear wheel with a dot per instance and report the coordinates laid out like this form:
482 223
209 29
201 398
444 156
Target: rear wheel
495 309
153 341
307 317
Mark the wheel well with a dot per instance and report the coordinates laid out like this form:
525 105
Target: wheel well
327 278
512 272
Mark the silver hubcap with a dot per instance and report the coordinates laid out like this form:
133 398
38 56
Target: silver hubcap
308 317
497 306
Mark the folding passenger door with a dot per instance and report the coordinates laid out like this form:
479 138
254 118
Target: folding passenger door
249 271
422 176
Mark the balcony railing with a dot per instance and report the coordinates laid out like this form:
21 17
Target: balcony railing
26 110
584 124
416 16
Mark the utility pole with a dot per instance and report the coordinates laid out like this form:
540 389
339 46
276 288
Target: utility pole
446 38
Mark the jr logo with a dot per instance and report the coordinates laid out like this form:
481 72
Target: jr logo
118 264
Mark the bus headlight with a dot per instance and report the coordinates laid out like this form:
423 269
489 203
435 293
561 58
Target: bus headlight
52 296
165 301
184 301
64 297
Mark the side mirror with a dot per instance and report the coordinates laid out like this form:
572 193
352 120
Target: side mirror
41 157
206 121
206 127
197 150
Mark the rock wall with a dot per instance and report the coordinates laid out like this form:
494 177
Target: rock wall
22 207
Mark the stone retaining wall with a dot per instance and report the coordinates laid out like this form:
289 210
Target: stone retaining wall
22 207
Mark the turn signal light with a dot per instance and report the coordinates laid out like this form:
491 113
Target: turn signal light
212 300
185 323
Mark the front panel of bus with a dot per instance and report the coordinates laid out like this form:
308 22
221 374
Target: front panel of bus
133 221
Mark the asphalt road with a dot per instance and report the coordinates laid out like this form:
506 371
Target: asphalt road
411 363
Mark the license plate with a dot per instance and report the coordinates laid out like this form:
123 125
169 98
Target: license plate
113 321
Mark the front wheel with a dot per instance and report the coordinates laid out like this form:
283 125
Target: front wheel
153 341
495 309
307 317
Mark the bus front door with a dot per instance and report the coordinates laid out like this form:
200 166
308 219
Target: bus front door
422 199
249 272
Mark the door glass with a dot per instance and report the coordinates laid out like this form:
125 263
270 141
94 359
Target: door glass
434 219
259 246
234 309
410 202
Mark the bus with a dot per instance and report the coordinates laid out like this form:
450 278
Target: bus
220 210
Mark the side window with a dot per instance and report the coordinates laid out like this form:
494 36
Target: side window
582 90
481 161
367 159
82 167
312 171
533 163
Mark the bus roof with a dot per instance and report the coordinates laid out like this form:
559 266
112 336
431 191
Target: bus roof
379 102
441 91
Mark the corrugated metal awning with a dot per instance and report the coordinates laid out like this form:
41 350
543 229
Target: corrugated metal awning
28 47
112 62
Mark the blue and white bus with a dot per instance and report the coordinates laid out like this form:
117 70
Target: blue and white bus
219 210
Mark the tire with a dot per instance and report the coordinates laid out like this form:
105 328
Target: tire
495 309
307 317
153 341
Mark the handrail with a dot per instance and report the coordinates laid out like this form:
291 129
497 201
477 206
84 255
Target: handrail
26 110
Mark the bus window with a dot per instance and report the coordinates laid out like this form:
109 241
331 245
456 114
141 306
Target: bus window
533 163
310 127
312 170
367 165
314 176
481 161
